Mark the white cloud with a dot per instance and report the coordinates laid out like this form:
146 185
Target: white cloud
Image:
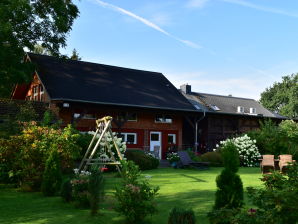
196 3
146 22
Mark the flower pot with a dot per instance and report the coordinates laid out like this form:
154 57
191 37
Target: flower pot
174 164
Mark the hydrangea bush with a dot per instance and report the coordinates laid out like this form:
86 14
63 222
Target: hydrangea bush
102 149
173 157
247 149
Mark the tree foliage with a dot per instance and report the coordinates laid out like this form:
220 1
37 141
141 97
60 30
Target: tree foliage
282 97
25 24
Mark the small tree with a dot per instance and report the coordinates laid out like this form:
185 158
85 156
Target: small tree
135 198
96 184
229 192
52 176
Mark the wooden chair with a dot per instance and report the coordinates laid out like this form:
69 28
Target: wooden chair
284 160
267 162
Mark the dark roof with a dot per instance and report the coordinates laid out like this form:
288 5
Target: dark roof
228 104
79 81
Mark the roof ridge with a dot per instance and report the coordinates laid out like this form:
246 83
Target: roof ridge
94 63
211 94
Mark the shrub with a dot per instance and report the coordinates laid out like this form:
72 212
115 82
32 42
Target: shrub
248 152
144 161
214 158
52 177
66 190
173 157
80 189
270 139
181 216
25 155
135 197
194 156
229 194
96 188
277 202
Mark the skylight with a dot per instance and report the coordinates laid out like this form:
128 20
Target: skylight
214 107
197 107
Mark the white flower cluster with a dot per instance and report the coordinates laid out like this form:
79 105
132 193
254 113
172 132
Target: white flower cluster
248 151
82 173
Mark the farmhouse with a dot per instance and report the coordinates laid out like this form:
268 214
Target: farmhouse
148 110
224 116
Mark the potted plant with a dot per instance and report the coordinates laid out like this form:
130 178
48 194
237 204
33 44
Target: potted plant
173 158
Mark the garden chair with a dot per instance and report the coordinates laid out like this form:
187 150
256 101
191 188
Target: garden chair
284 161
156 150
185 161
267 162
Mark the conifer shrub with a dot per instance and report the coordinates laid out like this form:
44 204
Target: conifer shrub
181 216
229 194
66 190
52 176
96 188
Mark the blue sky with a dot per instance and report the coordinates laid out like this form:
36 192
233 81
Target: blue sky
236 47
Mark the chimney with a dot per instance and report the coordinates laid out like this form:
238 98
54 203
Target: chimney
185 88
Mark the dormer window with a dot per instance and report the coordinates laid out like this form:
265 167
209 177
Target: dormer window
240 109
252 110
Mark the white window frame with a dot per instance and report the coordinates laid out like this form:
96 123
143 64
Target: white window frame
174 138
240 109
41 93
125 137
127 114
35 92
163 119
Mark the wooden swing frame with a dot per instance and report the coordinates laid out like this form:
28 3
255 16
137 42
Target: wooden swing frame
103 127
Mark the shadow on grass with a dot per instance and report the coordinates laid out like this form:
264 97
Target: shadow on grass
194 178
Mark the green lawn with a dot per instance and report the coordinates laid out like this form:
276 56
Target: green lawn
184 188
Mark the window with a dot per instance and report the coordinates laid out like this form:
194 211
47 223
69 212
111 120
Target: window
89 116
214 107
41 92
163 119
252 110
129 138
128 116
240 109
171 138
35 93
76 115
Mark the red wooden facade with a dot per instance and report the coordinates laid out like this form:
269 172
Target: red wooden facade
141 130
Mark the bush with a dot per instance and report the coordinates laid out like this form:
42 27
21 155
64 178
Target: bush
66 190
194 157
144 161
248 152
181 216
214 158
277 202
135 197
96 188
52 177
25 155
229 194
269 139
80 189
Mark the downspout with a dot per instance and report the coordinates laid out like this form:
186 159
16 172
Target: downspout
196 130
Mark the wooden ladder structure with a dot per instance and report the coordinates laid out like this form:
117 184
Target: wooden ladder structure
104 131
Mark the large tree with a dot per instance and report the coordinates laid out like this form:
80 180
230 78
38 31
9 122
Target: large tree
282 97
25 24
